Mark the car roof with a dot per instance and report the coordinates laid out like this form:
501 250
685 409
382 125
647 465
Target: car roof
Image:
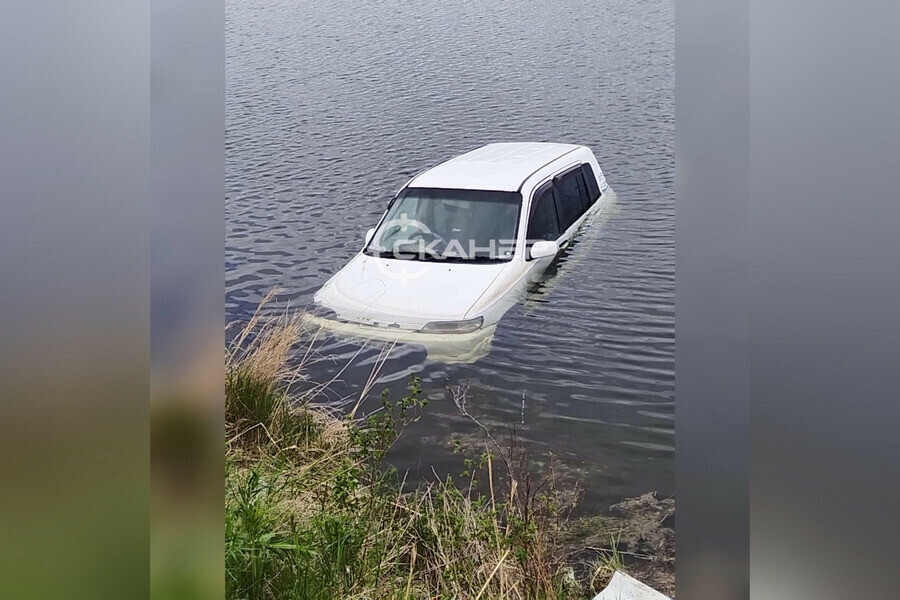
500 167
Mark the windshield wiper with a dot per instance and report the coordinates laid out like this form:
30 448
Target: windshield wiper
401 255
429 255
475 259
488 259
417 252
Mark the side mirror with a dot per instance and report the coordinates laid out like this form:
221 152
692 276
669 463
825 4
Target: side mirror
543 249
369 234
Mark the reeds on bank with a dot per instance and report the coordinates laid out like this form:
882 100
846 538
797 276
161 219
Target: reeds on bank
313 511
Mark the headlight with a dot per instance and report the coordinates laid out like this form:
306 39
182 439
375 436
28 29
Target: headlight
467 326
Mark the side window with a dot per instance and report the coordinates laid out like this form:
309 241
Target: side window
591 180
543 223
570 201
582 189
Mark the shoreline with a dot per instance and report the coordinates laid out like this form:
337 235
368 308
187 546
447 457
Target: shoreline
314 510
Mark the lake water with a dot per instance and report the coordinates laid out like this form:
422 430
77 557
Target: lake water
331 109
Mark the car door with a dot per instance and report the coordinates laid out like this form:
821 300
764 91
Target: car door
573 199
543 218
570 197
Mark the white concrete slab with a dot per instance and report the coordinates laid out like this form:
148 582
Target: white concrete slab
623 587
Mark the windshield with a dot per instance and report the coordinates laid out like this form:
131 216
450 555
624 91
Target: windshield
455 225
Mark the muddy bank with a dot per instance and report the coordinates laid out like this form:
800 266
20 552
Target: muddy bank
635 535
638 532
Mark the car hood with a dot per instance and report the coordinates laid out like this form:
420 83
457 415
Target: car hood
387 291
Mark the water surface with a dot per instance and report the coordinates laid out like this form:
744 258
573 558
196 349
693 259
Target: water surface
331 108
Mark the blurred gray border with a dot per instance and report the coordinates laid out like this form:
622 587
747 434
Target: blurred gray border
824 292
713 190
187 280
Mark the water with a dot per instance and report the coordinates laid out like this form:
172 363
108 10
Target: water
331 109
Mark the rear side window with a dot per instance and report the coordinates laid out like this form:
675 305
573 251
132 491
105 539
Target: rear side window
570 197
582 190
591 180
543 224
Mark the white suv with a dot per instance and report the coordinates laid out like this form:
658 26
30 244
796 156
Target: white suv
459 239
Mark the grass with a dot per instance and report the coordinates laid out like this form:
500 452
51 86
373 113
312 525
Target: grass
604 566
314 512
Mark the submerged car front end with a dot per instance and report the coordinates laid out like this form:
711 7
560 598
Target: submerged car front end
408 295
427 303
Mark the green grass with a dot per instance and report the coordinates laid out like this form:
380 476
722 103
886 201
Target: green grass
606 564
314 512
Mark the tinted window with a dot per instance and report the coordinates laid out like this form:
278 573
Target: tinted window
570 201
582 190
543 224
591 180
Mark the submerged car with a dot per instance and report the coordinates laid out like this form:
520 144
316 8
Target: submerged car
459 239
